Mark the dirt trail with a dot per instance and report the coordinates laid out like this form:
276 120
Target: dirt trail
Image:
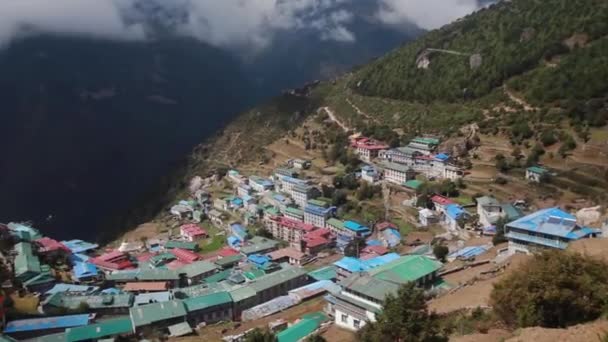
333 118
359 111
520 101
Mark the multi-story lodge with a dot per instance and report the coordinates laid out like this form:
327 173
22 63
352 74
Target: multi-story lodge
316 215
397 173
363 293
367 148
546 228
289 230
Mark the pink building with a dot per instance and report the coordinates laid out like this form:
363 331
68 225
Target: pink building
185 256
289 230
192 232
47 245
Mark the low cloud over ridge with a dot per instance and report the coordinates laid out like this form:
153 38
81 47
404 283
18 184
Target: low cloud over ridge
235 24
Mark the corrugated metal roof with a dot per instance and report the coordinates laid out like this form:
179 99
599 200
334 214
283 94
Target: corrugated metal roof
324 273
197 268
276 278
46 323
151 313
25 261
207 301
306 326
192 246
112 327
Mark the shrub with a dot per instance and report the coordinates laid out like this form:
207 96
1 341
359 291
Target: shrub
555 289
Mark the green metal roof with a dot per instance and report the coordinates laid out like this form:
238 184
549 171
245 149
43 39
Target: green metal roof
512 212
219 276
325 273
254 273
413 184
25 261
113 327
428 141
273 279
242 293
229 260
258 244
537 169
334 222
191 246
161 258
156 312
318 203
272 211
306 326
207 301
394 166
197 268
143 274
405 269
294 211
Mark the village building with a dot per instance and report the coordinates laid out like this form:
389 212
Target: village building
287 229
316 215
26 264
536 173
259 245
244 190
197 271
425 146
490 211
362 295
24 232
317 240
48 247
278 283
388 234
113 261
335 226
108 304
294 214
35 327
144 275
85 272
216 217
452 216
191 246
79 246
353 228
397 173
349 265
546 228
300 164
440 203
367 148
281 172
289 255
185 256
427 217
370 174
260 184
107 329
192 232
302 193
209 309
159 315
278 201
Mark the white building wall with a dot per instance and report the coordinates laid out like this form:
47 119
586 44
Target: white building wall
349 322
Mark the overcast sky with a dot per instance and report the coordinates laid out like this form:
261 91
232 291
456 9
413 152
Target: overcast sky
224 23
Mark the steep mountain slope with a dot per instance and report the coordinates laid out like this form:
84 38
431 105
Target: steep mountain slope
87 125
508 78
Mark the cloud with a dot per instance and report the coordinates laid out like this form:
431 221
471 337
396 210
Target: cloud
98 18
426 14
235 24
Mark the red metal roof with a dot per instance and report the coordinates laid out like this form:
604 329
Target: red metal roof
227 251
185 255
368 144
316 242
441 200
378 250
384 225
292 224
112 256
192 230
146 286
50 245
286 252
175 264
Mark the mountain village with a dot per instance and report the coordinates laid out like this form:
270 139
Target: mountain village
270 243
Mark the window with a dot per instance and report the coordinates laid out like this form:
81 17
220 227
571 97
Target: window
344 318
356 323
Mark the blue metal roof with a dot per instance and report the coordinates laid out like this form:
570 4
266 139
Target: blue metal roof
374 243
233 240
46 323
258 259
319 211
355 226
61 287
79 246
84 269
442 157
357 265
468 252
454 211
238 230
550 221
392 237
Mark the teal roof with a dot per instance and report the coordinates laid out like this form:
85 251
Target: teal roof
334 222
150 274
207 301
229 260
325 273
156 312
279 277
191 246
258 244
537 169
219 276
306 326
25 261
242 293
295 211
161 258
413 184
109 328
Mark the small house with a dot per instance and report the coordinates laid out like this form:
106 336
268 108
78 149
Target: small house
427 217
536 173
159 315
192 232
